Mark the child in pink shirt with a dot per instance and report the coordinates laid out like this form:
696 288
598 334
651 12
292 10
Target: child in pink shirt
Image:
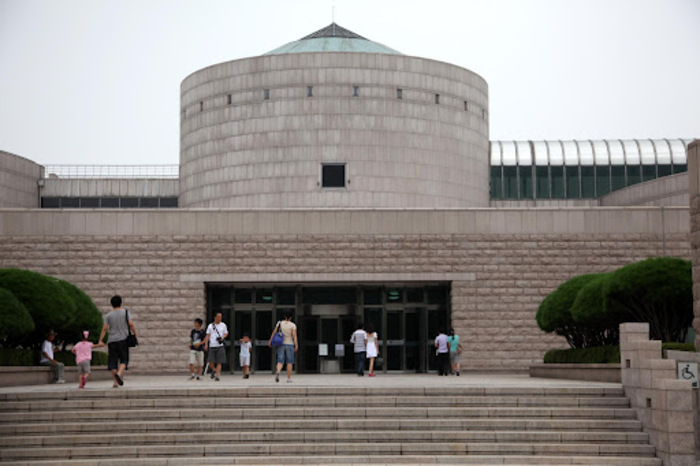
83 356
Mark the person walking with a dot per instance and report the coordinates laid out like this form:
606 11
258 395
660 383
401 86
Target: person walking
197 337
372 348
217 332
290 345
455 351
83 356
443 356
359 341
118 322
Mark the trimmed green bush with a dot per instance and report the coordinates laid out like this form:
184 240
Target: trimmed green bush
679 346
85 317
554 313
15 320
600 354
588 311
18 357
593 355
47 302
656 290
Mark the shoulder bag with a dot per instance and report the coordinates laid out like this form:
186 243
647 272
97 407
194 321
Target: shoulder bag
278 337
131 340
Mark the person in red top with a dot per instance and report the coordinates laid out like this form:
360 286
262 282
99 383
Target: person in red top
83 356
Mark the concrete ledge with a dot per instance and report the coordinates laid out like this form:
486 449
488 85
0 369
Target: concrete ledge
588 372
13 376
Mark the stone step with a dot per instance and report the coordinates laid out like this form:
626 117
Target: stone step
511 460
331 413
213 425
288 391
297 449
281 437
328 401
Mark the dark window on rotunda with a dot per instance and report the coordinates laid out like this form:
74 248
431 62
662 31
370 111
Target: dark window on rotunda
437 98
201 106
333 176
109 202
70 202
399 93
355 91
309 91
229 99
89 202
266 94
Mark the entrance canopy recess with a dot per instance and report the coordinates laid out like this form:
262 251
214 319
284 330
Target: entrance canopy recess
407 316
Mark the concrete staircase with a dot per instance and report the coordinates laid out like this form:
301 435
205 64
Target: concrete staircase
318 425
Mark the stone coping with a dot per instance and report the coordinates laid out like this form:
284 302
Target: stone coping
587 372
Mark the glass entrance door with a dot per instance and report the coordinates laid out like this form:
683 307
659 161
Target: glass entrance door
308 344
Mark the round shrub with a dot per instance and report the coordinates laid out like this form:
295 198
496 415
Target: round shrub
85 317
588 310
554 313
656 290
15 320
47 303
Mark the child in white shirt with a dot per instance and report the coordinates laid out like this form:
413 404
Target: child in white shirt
244 356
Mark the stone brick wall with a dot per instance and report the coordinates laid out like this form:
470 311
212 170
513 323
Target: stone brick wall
500 263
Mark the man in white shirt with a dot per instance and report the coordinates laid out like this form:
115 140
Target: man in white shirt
359 340
217 332
443 353
48 360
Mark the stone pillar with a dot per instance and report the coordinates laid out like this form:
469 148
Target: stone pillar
694 196
665 406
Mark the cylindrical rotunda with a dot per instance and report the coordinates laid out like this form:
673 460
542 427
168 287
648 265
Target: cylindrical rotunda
334 120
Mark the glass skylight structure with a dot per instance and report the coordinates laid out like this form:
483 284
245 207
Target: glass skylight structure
584 169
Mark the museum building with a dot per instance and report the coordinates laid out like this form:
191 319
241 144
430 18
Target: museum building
346 182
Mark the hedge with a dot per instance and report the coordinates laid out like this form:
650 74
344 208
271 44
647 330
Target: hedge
593 355
600 354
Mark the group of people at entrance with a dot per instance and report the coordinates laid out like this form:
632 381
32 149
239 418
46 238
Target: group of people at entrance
447 351
366 346
284 340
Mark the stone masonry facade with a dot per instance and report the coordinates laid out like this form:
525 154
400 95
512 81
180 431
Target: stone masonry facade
498 279
694 195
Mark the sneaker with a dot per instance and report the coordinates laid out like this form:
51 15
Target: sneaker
247 376
82 382
457 373
192 377
60 381
277 377
216 379
213 374
373 374
197 377
289 380
119 379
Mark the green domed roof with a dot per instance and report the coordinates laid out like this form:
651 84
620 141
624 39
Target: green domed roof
333 38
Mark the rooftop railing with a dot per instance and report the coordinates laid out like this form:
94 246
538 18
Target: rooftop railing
112 171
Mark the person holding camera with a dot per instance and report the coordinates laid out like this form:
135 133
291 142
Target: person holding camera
217 332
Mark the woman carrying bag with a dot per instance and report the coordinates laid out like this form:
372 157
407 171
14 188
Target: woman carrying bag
289 344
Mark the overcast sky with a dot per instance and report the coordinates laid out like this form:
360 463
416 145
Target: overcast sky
97 81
